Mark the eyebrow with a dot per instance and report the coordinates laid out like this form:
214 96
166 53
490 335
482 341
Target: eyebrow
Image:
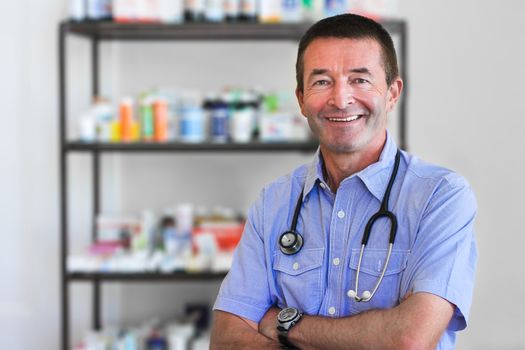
361 70
319 71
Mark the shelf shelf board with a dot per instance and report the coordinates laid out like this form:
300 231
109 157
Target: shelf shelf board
187 31
146 276
107 30
256 146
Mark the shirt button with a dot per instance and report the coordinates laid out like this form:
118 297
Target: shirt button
341 214
295 266
322 185
336 261
331 310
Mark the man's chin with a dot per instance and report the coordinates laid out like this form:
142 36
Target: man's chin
338 148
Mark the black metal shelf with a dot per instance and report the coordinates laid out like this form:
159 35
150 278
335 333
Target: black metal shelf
255 146
95 33
106 30
144 276
187 31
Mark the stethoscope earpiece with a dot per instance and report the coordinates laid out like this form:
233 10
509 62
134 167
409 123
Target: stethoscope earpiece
366 296
351 294
290 242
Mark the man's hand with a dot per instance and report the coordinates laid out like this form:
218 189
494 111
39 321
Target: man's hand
268 324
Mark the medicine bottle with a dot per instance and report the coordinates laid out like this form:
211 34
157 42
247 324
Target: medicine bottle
219 119
194 10
242 120
214 11
126 119
232 10
192 120
249 10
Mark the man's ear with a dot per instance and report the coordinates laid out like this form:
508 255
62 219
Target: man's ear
300 99
394 92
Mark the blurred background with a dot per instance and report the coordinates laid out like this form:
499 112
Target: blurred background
464 71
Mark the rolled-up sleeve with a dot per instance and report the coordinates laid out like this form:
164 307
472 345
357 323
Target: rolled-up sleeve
245 291
443 258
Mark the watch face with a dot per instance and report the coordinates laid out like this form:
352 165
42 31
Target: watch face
287 314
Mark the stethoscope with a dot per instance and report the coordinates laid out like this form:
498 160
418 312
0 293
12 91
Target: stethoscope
291 242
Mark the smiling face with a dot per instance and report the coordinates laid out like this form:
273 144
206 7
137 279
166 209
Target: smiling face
345 95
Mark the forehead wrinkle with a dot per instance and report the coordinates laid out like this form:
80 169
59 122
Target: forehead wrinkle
340 52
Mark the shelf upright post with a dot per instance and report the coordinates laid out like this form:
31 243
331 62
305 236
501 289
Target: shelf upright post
399 27
63 186
96 321
404 71
97 324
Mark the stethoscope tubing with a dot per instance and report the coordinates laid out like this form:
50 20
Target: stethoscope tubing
379 280
291 242
383 212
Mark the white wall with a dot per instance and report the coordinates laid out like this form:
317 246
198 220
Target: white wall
29 266
466 70
466 112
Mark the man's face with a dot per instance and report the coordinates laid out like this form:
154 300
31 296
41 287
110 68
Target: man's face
345 96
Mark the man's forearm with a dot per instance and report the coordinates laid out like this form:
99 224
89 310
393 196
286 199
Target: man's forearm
241 339
363 331
417 323
232 332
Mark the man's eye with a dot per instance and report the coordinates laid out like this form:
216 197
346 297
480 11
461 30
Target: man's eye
360 81
321 82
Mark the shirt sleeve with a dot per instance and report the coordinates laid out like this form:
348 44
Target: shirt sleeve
443 258
245 291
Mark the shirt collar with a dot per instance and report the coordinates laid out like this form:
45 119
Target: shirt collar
375 176
315 173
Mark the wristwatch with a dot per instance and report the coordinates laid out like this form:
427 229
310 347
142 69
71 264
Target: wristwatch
286 319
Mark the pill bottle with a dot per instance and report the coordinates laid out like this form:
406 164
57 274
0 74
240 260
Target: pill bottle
126 119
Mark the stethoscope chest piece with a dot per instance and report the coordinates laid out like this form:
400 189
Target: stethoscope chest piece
290 242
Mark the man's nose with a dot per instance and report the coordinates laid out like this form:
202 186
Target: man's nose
342 96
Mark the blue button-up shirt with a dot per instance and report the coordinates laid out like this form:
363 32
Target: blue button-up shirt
434 250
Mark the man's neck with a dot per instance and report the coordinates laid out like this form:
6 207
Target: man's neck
339 166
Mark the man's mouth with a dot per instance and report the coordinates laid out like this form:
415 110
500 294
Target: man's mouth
346 119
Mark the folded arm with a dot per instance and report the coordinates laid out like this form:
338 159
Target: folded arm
416 323
233 332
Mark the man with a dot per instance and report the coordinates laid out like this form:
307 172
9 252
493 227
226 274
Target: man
347 82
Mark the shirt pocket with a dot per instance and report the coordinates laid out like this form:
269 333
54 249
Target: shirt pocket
388 292
299 279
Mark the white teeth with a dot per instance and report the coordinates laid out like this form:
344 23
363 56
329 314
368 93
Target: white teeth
349 119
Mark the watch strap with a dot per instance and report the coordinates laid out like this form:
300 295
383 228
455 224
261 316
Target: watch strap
283 339
282 332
